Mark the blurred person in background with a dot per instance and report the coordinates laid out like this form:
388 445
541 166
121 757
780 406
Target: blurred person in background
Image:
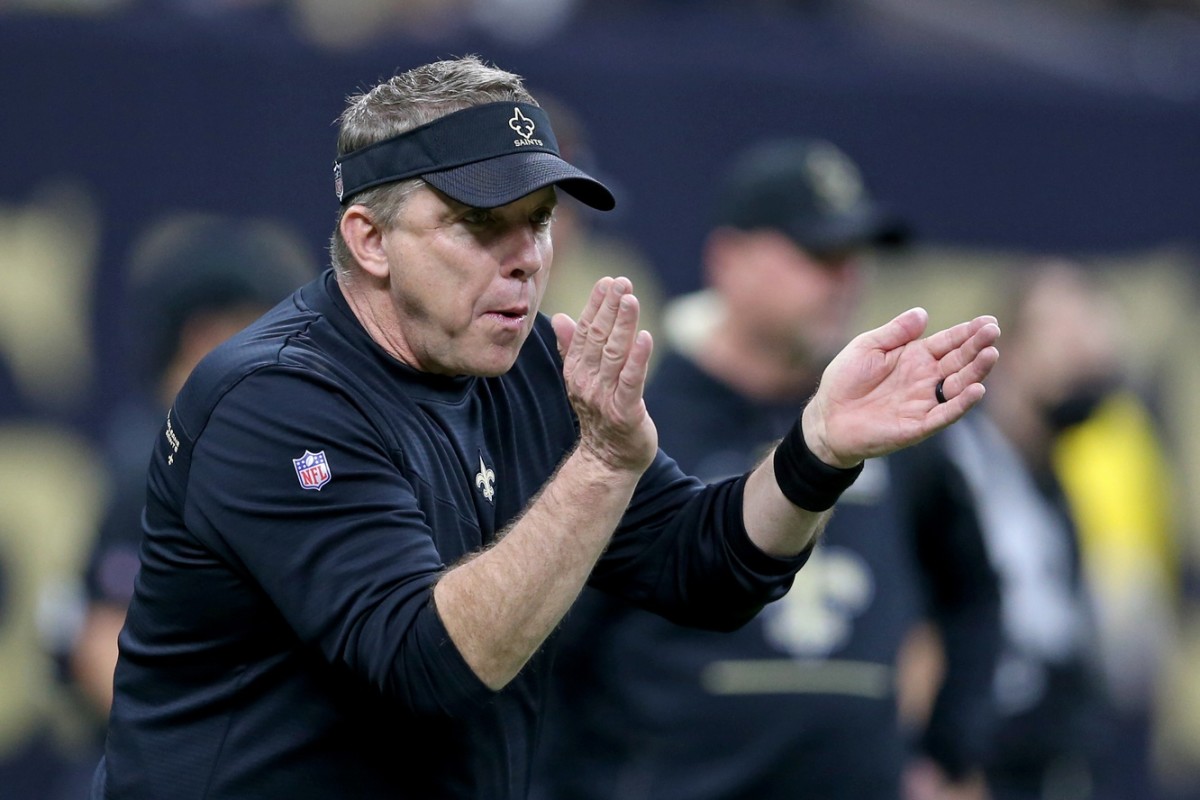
801 701
1119 483
193 280
1073 491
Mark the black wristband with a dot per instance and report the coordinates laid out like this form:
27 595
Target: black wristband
806 480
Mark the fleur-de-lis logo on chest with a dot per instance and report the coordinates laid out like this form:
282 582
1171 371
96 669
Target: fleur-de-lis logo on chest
485 480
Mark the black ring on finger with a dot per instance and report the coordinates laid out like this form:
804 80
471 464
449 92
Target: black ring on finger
937 391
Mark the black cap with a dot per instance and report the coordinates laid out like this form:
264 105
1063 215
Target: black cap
484 156
810 190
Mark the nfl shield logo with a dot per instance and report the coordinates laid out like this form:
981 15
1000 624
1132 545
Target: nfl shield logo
312 469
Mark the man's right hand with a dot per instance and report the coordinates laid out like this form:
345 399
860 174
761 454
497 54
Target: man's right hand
605 363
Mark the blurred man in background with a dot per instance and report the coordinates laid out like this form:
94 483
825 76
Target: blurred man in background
802 701
1073 492
193 281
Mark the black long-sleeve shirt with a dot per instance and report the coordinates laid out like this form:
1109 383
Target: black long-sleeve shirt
305 494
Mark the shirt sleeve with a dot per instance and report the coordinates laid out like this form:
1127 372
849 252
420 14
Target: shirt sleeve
682 551
296 489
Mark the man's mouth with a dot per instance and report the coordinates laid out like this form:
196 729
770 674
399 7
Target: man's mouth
513 316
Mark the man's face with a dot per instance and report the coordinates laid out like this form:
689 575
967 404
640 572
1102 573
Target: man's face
1067 337
791 300
467 282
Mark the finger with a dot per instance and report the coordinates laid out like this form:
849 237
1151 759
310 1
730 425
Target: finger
586 317
595 336
631 385
564 332
901 330
974 372
944 341
955 407
620 341
955 360
598 293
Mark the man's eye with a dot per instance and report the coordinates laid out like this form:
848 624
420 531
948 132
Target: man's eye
543 218
477 216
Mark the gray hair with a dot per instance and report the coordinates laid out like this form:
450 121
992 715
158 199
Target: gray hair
407 101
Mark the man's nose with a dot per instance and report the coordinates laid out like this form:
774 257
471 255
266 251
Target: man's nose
525 252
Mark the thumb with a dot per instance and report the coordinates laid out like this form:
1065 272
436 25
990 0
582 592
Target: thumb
564 332
901 330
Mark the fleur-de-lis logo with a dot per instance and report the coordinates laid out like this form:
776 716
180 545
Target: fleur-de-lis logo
485 479
522 124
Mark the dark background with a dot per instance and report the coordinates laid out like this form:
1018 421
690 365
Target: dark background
1078 145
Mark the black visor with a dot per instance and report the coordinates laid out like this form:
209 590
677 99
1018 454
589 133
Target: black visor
483 156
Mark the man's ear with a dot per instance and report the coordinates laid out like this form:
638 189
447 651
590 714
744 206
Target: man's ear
364 238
